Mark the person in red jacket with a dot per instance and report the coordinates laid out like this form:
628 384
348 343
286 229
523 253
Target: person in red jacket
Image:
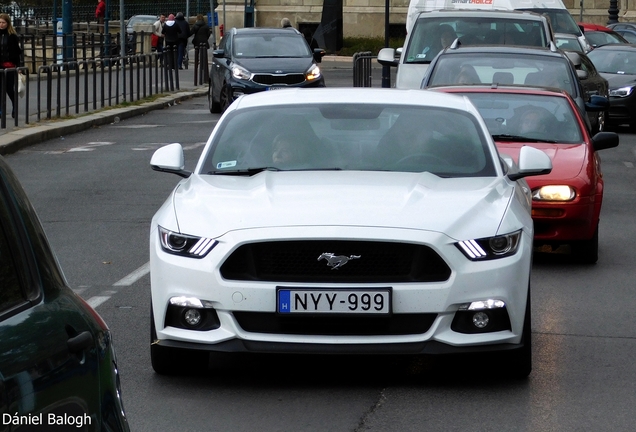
100 13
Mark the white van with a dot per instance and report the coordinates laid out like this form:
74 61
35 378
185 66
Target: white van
561 19
432 31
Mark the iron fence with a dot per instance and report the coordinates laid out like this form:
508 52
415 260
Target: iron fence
79 86
43 49
27 19
362 71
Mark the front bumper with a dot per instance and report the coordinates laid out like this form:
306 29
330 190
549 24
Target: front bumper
565 221
622 110
241 87
505 279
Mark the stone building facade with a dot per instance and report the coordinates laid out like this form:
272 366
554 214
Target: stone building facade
365 18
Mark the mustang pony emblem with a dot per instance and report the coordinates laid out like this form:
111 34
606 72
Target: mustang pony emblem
334 261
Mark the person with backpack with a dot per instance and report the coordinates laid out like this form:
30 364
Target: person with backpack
171 32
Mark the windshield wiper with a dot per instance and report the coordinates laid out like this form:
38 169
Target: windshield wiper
247 171
519 138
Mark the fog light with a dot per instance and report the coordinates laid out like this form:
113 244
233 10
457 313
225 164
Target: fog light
192 317
480 320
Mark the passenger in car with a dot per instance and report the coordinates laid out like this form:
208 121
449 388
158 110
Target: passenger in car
288 150
467 75
532 121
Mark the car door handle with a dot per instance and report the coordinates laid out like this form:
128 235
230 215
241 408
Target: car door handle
80 342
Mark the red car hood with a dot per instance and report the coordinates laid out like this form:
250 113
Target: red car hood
567 159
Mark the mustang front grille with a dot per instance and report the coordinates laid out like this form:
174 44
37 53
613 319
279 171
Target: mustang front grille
271 79
335 262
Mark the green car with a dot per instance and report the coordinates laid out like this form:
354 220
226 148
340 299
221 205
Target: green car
58 369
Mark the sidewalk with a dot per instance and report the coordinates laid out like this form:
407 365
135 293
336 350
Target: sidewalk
14 138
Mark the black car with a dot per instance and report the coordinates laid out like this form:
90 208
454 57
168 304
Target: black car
57 362
617 63
251 60
537 67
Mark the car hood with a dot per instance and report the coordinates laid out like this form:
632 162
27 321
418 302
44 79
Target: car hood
567 159
276 64
619 80
211 205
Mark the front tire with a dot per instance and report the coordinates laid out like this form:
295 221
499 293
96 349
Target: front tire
174 361
518 364
225 98
586 251
214 106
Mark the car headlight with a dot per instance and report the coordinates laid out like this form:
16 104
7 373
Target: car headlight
491 247
241 73
621 92
554 193
185 245
313 73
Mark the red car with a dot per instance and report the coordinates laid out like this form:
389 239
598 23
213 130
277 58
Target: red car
566 204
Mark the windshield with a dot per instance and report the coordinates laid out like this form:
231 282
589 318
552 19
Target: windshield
614 62
528 118
597 38
270 45
431 35
445 142
569 43
561 20
504 69
140 20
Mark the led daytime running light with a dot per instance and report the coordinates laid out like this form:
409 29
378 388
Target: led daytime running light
472 249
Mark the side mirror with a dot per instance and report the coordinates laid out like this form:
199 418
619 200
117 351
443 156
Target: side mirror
532 162
170 159
574 57
319 53
218 53
386 57
604 140
597 103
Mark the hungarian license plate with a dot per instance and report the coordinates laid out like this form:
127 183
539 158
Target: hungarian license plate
275 88
376 301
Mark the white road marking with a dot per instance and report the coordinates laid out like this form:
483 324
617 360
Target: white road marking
97 300
629 164
134 276
90 146
139 126
126 281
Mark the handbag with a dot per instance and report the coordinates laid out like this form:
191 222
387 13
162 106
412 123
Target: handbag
21 84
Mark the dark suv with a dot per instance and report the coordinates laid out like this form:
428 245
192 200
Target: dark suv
251 60
535 67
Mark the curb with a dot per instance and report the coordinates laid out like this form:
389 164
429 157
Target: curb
20 138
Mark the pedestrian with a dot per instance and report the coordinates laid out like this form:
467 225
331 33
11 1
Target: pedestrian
200 32
171 38
157 34
285 23
10 53
184 34
100 13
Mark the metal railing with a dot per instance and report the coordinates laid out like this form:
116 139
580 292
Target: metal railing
81 86
43 49
362 69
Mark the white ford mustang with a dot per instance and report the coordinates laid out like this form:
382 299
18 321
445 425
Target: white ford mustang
340 221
